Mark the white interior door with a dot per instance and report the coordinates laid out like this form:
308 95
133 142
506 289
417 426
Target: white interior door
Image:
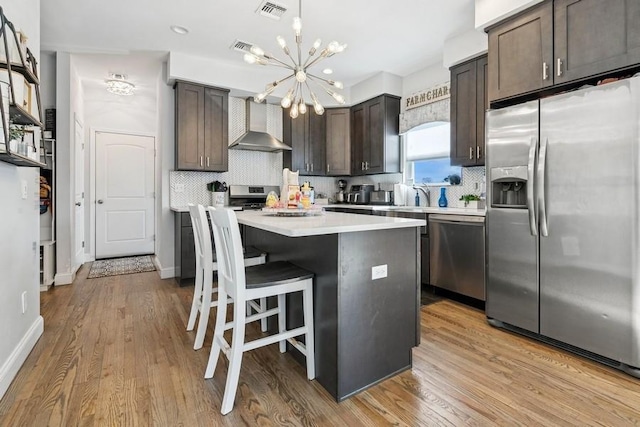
79 194
124 194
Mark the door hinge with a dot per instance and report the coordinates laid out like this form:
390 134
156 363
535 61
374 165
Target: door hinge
83 244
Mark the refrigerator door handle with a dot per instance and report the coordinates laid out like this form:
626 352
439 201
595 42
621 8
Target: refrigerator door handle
542 163
533 147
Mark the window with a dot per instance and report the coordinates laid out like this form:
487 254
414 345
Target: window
427 154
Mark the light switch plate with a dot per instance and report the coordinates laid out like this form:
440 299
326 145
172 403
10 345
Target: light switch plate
25 189
379 272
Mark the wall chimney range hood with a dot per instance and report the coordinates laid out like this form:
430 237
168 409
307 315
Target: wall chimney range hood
256 138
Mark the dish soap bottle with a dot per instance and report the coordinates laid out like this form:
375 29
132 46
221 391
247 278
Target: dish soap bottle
442 201
417 199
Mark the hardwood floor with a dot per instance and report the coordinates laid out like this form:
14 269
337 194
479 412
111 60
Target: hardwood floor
115 352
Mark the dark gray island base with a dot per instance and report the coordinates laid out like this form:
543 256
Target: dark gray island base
364 329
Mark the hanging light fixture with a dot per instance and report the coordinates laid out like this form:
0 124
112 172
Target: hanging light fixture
119 85
300 75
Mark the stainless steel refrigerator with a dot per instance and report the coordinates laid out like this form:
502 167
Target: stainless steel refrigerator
563 221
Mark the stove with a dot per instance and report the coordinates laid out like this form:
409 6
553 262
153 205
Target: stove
250 197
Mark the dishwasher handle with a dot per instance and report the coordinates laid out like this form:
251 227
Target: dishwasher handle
457 219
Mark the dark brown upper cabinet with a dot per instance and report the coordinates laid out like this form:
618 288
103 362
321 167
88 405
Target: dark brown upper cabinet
202 127
306 136
338 144
592 37
469 103
561 43
521 53
375 140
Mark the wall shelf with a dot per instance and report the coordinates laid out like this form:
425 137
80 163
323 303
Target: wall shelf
19 81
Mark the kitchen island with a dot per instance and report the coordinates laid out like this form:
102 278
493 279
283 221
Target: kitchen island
366 290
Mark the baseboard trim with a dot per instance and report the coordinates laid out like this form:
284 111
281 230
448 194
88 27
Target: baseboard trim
64 278
10 369
89 258
165 273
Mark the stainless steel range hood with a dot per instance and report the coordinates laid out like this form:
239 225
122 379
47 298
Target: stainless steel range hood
256 138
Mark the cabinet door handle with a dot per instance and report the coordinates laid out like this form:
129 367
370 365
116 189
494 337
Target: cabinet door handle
201 161
207 161
362 166
470 153
311 167
478 152
327 167
366 165
559 67
545 71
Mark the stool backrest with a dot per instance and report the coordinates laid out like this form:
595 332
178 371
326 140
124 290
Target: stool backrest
201 235
228 244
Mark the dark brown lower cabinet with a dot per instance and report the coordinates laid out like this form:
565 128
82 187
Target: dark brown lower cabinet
185 252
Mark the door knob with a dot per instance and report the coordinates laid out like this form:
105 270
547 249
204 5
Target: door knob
78 204
100 201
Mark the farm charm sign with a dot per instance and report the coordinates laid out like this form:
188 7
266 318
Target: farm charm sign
434 94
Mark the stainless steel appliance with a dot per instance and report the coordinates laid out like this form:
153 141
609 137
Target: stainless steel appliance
563 221
457 254
381 197
250 196
360 194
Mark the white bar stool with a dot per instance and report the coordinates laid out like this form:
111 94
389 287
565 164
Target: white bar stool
248 283
204 292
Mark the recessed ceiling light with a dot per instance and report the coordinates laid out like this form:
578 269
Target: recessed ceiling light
327 71
179 30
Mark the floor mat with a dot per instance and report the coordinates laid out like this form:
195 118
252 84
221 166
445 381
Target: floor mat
117 266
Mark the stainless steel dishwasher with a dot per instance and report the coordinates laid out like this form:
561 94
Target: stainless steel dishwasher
456 249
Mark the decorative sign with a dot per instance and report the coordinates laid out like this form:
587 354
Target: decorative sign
436 93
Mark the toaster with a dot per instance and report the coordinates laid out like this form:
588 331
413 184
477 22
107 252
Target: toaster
381 197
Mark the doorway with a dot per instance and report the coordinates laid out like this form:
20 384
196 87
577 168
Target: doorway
124 194
78 196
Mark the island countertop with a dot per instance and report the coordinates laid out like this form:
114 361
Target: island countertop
327 223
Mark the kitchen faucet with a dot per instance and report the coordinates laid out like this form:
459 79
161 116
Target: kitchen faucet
426 192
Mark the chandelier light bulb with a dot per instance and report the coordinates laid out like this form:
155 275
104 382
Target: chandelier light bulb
288 98
259 97
257 51
282 42
339 99
301 76
333 46
250 59
319 109
339 85
302 107
297 26
294 111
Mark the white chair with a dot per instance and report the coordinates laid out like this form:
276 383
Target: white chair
204 292
247 283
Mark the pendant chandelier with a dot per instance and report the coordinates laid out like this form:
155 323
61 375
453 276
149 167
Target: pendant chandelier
295 97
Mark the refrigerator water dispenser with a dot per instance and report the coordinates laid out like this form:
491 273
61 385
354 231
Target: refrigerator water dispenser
509 187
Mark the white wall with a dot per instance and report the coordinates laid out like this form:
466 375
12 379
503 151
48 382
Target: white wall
69 106
104 111
48 80
19 232
463 47
375 85
489 12
165 246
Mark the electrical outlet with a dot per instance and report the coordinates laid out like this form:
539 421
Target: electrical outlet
24 302
179 188
379 272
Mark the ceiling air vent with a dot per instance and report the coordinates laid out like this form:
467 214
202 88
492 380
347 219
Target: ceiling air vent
271 9
241 46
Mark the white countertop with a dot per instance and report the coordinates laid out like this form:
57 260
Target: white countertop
327 223
186 208
423 209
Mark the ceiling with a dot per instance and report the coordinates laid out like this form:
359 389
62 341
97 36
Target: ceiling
398 37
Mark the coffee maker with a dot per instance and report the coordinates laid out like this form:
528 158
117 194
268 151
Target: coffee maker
341 196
